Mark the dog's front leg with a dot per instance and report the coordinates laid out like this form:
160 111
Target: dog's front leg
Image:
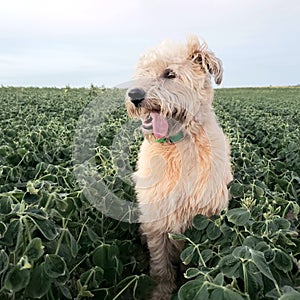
161 268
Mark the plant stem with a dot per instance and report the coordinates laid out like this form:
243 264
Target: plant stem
246 284
65 223
81 261
127 285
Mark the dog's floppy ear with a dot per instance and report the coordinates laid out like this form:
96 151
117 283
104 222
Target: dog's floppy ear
201 55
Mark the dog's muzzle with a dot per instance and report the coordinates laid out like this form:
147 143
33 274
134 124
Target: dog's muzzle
136 95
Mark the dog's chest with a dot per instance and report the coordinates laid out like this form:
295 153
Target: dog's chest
159 166
163 167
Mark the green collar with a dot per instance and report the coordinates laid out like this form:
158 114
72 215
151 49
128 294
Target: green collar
171 139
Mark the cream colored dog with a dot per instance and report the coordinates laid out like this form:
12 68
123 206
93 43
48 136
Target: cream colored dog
184 166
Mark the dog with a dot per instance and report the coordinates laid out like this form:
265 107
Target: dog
183 166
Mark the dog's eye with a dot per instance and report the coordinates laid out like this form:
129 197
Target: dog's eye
169 74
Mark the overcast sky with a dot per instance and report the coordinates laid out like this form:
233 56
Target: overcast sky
83 42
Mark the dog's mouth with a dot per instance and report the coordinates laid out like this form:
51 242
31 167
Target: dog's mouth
156 123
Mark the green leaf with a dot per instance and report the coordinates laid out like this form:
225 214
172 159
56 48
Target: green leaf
192 272
251 241
288 289
217 294
92 234
262 246
241 252
105 255
269 255
227 230
284 240
34 249
258 227
187 254
213 231
238 216
283 261
200 222
39 284
236 189
260 262
47 227
259 192
206 254
225 294
65 291
230 265
255 282
16 279
193 290
54 266
61 280
296 208
232 295
36 213
177 236
290 296
219 279
3 228
71 242
282 223
11 234
5 205
93 277
4 261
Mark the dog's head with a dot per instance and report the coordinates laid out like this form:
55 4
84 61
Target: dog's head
172 86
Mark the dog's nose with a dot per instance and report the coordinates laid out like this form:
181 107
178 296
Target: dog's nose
136 95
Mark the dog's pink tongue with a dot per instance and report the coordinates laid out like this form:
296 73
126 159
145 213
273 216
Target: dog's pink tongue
159 124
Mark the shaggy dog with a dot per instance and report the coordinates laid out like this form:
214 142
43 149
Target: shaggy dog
183 166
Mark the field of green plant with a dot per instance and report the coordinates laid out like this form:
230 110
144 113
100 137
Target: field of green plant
54 244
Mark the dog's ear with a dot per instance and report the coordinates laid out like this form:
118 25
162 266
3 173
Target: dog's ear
200 54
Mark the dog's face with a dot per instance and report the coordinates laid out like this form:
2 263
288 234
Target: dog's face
170 85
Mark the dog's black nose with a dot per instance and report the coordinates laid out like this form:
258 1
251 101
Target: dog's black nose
136 95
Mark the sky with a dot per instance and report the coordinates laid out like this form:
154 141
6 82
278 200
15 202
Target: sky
82 42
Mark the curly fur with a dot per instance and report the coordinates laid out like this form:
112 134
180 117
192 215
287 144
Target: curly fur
175 182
